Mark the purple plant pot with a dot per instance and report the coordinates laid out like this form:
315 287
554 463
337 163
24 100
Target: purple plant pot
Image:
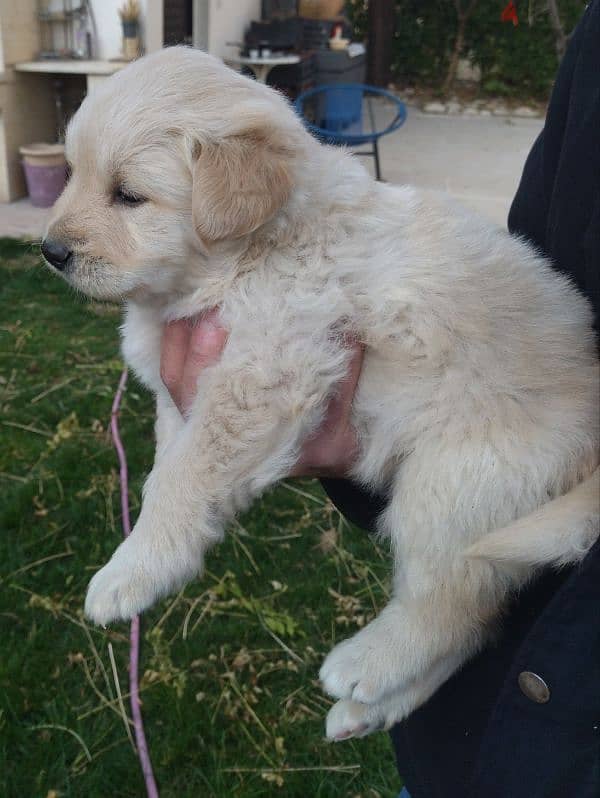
45 183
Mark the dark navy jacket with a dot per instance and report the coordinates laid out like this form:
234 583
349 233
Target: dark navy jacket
480 736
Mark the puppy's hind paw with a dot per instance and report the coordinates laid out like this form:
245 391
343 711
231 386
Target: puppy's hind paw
347 719
358 671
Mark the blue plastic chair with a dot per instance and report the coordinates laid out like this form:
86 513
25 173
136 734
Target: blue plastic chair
335 115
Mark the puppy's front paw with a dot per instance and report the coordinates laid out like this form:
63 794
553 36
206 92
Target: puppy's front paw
348 719
118 592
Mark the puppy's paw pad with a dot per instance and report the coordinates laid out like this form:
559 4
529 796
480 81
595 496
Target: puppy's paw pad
348 719
116 593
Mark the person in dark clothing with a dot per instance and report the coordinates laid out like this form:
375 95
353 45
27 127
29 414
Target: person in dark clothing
521 719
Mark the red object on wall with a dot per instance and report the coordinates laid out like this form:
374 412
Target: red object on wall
510 14
337 29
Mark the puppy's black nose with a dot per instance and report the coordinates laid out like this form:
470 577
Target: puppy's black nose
56 253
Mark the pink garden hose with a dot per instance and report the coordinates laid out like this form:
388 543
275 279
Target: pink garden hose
134 636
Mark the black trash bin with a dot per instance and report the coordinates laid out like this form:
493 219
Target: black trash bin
336 66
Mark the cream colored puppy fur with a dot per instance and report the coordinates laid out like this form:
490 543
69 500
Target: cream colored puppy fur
477 403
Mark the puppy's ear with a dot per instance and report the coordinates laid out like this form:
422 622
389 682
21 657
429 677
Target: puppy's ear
239 183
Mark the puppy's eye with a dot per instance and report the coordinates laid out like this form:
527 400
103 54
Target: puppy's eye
123 197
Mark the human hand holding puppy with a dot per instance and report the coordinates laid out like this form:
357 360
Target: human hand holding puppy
187 349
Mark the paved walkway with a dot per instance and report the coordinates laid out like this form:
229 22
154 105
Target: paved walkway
21 220
477 159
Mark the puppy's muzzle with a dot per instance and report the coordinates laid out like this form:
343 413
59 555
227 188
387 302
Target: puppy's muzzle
56 253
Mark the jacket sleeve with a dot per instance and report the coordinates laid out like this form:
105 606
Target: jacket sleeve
354 502
557 204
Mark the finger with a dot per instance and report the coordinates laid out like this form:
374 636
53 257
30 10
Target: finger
174 345
207 340
341 403
333 448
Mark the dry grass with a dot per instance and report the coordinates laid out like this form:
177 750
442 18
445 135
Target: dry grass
229 665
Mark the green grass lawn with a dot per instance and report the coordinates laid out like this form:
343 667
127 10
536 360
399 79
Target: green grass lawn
229 666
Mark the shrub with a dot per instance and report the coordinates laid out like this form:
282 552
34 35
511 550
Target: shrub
514 60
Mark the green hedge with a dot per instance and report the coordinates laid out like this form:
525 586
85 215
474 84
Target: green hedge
514 60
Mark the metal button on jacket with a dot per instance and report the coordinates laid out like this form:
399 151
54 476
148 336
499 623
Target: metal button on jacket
534 687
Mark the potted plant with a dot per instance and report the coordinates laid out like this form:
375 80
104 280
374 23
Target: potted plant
45 172
130 20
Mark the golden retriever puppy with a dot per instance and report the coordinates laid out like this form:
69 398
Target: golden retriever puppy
477 407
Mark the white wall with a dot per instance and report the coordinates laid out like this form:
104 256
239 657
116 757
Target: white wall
227 21
152 25
108 28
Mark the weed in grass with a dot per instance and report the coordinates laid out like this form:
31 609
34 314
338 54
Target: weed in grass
229 665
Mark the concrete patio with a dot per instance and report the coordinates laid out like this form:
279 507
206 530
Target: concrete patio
21 220
477 159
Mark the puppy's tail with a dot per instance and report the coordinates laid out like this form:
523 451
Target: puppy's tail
559 533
